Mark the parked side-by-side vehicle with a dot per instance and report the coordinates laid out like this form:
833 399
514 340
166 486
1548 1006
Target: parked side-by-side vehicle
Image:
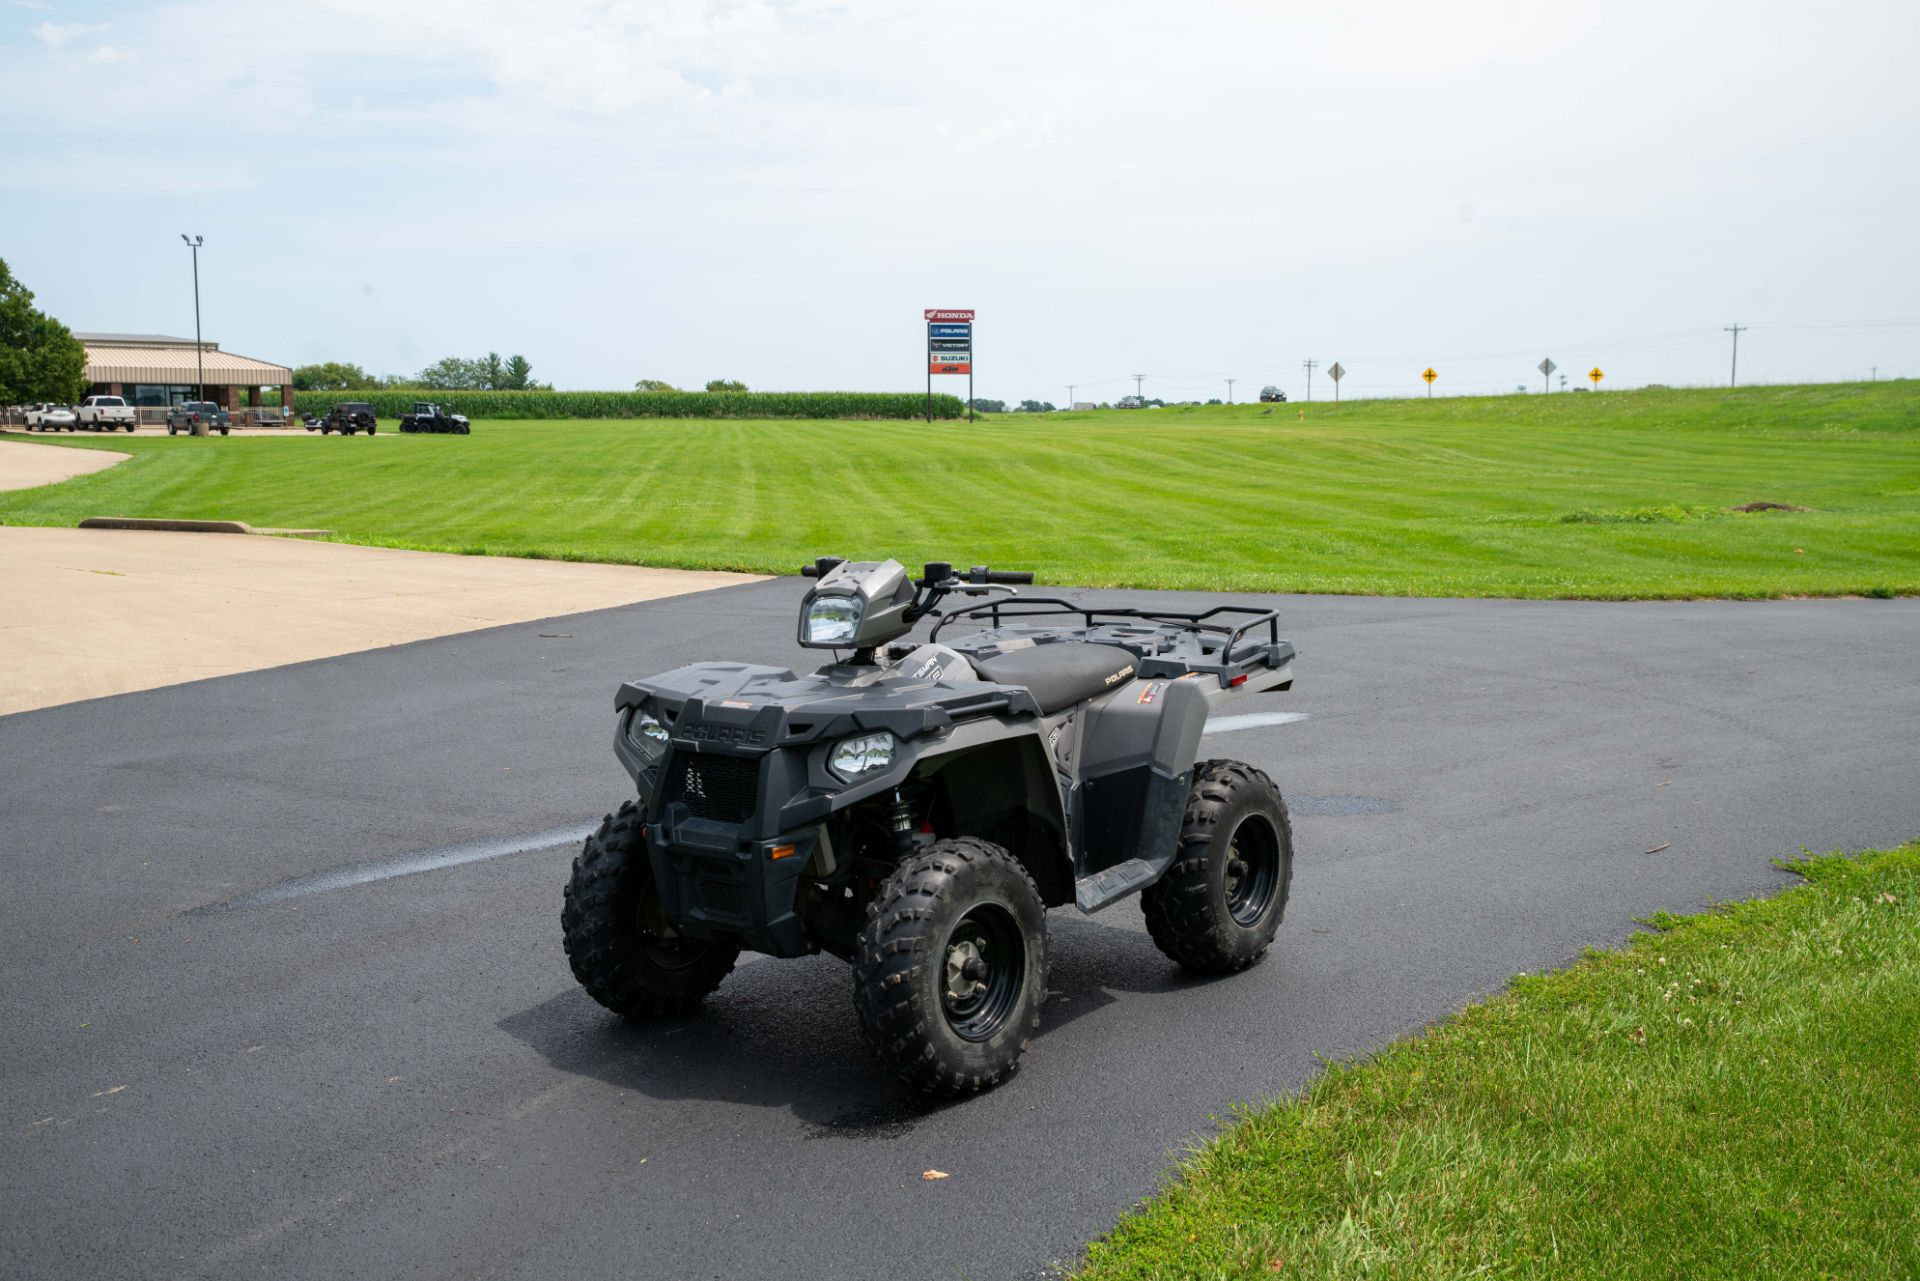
347 417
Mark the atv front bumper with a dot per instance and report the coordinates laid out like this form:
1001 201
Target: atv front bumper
716 882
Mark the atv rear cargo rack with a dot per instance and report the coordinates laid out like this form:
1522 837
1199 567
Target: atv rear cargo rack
1222 633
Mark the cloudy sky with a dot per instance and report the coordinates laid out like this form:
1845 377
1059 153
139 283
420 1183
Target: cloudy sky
773 190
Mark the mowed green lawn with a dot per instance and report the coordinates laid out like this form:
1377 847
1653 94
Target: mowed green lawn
1611 495
1737 1096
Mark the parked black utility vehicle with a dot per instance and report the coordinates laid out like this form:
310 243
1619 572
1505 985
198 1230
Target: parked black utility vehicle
1272 396
916 807
347 417
428 417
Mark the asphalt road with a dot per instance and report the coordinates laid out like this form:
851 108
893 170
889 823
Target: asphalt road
353 1073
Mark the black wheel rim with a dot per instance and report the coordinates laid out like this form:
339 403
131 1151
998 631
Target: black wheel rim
1253 870
983 966
658 943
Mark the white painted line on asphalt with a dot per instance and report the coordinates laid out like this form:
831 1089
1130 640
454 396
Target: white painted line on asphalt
341 878
353 874
1252 720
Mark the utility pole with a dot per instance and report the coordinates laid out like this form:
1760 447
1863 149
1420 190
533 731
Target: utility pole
1230 391
1733 377
1070 387
1137 380
1310 366
199 362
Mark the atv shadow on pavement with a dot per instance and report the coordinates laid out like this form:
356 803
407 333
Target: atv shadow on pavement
786 1035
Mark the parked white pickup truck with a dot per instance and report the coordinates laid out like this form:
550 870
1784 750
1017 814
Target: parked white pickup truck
106 413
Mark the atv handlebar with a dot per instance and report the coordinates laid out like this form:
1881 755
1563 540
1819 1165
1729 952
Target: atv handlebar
933 574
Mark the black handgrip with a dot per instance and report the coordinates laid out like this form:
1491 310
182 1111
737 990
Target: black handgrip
823 566
981 574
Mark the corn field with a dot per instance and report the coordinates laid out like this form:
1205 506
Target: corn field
645 404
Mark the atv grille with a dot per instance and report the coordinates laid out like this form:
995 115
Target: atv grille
726 897
720 788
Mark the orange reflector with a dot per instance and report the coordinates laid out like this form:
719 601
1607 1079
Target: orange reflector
782 851
1241 679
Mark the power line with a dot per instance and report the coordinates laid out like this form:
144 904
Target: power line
1310 366
1733 376
1137 380
1230 383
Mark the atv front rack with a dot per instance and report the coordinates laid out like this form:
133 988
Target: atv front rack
1222 633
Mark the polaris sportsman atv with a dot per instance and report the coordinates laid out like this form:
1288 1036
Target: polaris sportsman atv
916 807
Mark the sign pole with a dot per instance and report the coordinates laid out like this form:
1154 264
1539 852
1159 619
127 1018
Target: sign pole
969 380
929 372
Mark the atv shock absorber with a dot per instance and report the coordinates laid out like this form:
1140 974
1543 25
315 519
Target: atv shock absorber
901 820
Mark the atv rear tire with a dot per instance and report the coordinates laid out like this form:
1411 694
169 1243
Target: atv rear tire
951 968
617 937
1216 909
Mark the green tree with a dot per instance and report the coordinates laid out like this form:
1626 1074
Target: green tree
332 375
451 373
492 371
519 374
40 359
725 384
654 384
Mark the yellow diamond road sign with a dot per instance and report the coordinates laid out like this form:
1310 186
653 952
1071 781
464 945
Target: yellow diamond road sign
1429 375
1595 374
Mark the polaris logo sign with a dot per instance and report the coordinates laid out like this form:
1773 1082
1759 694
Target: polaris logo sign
744 735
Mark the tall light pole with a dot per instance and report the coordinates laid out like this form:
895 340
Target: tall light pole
199 362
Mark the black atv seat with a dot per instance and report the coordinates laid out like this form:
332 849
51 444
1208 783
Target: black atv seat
1061 674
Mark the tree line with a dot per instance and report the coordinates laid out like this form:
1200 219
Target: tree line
450 373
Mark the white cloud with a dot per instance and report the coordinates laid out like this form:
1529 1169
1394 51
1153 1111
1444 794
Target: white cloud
58 35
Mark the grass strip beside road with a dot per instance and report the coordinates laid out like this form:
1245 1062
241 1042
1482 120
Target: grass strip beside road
1621 495
1737 1095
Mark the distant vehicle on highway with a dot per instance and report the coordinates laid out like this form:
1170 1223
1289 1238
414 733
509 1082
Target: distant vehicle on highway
105 413
347 417
184 415
50 418
1272 396
429 417
1130 402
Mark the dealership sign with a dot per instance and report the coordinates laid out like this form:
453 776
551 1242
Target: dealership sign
949 341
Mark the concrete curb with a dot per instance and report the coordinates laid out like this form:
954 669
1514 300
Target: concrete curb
176 526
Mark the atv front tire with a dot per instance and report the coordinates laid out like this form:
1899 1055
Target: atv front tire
951 968
621 946
1216 909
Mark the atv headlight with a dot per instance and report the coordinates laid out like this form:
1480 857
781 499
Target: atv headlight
853 757
833 620
647 735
